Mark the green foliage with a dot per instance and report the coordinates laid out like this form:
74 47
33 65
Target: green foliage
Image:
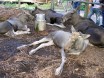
25 5
9 5
45 6
82 7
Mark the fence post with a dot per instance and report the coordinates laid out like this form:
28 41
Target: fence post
19 3
52 4
86 9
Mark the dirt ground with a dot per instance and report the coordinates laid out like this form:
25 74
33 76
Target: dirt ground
18 64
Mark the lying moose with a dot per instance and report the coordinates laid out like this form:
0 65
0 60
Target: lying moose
73 43
85 26
16 25
51 16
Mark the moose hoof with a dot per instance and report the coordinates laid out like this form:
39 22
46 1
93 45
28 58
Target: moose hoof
58 71
21 47
32 52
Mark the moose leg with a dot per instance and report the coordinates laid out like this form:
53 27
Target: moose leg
34 43
45 39
41 46
10 33
60 68
21 32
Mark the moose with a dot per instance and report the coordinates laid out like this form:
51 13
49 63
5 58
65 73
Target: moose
72 42
86 26
51 16
16 25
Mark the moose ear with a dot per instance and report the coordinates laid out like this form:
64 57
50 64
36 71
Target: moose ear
73 29
75 10
72 12
85 36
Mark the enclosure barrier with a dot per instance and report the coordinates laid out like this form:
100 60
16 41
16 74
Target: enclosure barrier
85 2
86 6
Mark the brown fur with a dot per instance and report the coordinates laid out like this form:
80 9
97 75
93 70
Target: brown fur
71 42
13 24
51 16
85 26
